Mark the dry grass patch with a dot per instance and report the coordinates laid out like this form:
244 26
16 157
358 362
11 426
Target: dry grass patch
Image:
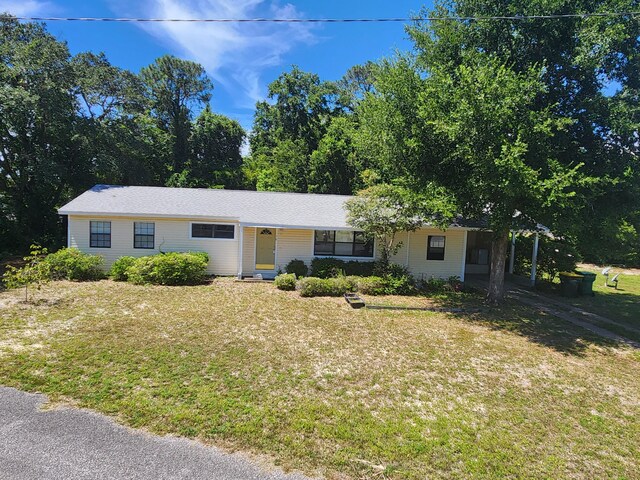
328 389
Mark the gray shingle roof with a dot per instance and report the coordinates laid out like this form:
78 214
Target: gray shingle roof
253 208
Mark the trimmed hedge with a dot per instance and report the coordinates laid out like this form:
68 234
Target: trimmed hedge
119 268
388 285
327 287
285 281
297 267
172 268
329 267
372 285
72 264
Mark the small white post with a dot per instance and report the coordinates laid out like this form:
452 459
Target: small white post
534 260
240 249
512 255
464 255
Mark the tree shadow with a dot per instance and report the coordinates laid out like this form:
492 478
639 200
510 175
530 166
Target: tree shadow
538 327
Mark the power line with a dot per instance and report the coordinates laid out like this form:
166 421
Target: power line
329 20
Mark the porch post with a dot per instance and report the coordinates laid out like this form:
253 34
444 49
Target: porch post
464 255
534 260
240 249
512 255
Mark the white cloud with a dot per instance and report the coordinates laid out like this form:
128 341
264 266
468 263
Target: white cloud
234 54
24 8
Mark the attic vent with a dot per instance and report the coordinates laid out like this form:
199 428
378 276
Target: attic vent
265 231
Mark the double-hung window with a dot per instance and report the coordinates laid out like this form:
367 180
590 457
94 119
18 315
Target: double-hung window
99 234
212 230
435 247
342 243
144 234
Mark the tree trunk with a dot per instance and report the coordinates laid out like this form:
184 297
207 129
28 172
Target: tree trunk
499 245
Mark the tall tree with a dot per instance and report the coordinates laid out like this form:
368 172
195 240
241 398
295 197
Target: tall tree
296 116
591 71
40 155
215 159
174 88
336 165
513 116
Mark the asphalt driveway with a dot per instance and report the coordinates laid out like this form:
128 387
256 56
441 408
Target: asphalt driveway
77 444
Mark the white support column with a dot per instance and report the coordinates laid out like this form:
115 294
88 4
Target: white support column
408 247
512 255
240 249
464 255
534 260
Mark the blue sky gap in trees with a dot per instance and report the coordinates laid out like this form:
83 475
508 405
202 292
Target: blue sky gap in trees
242 59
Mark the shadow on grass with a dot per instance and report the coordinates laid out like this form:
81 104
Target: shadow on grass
536 326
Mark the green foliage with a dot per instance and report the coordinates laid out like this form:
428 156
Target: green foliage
435 285
34 273
288 128
119 269
215 159
335 166
72 264
172 268
372 285
297 267
327 287
382 211
554 255
327 267
285 281
173 88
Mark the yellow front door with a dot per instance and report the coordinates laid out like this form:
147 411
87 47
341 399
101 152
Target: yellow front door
266 249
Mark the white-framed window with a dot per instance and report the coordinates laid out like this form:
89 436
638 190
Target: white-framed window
342 243
99 234
226 231
144 235
435 247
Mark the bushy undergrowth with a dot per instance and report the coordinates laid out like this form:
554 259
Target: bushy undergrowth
440 285
297 267
285 281
172 268
72 264
327 287
120 267
329 267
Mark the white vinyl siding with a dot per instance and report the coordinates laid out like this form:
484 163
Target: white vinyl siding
454 254
170 236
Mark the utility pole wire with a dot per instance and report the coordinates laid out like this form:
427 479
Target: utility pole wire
329 20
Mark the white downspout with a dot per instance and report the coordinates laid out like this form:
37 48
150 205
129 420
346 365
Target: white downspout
534 260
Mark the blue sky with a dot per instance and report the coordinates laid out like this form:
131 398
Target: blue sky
241 58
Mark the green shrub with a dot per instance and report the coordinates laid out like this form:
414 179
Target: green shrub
286 281
35 272
372 285
360 269
169 269
72 264
119 268
327 287
400 285
328 267
297 267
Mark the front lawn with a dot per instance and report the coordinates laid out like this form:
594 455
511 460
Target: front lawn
333 391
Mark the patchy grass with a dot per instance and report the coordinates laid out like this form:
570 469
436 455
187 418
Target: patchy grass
621 305
330 390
